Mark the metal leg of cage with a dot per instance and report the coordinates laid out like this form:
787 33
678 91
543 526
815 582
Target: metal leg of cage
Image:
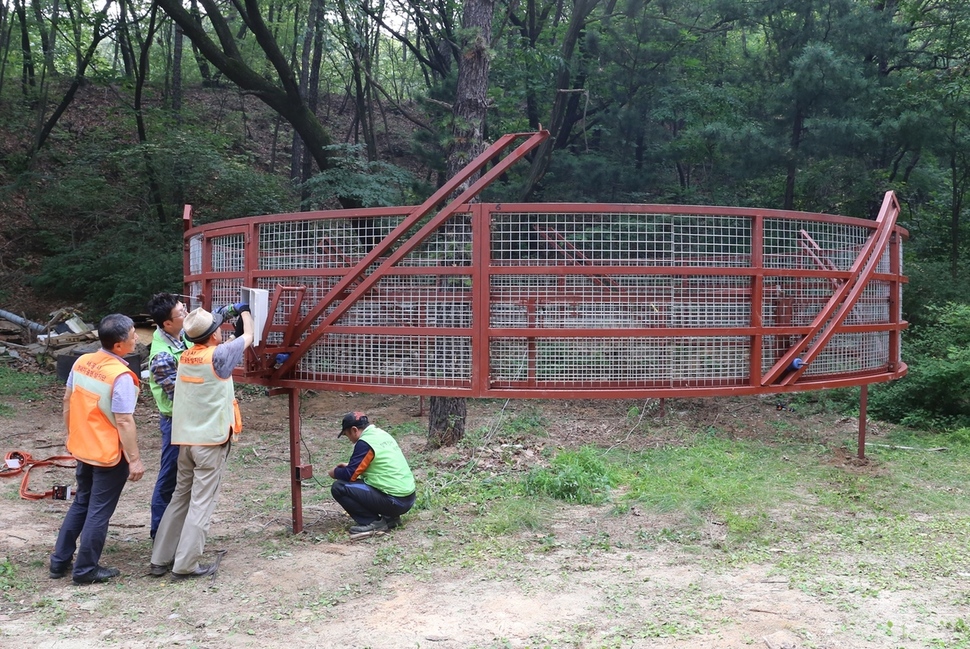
296 469
863 403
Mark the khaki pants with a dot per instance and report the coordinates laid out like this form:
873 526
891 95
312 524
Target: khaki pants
181 535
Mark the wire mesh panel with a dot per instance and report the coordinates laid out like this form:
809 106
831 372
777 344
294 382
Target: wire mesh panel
583 300
804 244
570 239
404 361
328 243
228 253
195 254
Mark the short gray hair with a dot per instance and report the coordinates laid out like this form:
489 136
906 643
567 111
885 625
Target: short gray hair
113 329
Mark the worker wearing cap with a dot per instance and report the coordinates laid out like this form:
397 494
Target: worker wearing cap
205 420
376 486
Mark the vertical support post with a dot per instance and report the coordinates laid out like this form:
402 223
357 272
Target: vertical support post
296 487
863 403
757 295
481 292
532 354
895 299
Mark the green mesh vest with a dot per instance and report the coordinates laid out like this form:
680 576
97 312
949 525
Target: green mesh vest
160 343
388 471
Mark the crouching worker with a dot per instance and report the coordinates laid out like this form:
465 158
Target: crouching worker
376 487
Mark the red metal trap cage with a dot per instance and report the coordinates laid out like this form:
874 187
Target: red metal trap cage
557 300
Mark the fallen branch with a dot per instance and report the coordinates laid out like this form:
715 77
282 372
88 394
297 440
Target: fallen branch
761 610
907 448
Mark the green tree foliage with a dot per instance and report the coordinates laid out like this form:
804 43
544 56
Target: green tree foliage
936 392
819 105
113 251
369 184
116 268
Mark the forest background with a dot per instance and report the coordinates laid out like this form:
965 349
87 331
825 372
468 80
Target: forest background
116 113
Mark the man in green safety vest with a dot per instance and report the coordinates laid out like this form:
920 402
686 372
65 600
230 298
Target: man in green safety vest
376 486
168 312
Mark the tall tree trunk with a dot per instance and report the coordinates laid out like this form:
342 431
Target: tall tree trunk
141 74
125 39
955 209
446 420
317 25
6 30
280 92
83 60
560 104
178 47
356 43
28 76
46 36
959 176
297 147
200 60
792 167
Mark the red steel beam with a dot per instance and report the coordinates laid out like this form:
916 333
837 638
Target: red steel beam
843 300
364 284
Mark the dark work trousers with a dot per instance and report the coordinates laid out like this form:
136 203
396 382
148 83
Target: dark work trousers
98 491
366 504
167 472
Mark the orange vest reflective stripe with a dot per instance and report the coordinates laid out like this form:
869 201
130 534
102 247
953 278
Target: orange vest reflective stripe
92 431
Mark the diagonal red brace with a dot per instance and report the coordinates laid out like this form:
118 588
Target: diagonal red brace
364 284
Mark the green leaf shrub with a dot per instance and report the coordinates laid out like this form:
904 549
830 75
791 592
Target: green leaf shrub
936 391
576 476
368 184
116 270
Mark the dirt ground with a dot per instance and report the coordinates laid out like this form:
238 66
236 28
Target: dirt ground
317 589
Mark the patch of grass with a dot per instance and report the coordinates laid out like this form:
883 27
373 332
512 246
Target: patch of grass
582 477
276 548
11 584
529 421
407 428
26 385
842 401
713 475
269 498
53 612
514 516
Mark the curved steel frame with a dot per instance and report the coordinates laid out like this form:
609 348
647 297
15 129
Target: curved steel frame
558 300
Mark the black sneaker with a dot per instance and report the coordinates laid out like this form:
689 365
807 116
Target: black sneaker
392 522
380 525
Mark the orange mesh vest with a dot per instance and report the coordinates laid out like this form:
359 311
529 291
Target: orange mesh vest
92 435
205 412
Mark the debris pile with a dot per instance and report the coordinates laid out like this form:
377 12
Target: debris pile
53 345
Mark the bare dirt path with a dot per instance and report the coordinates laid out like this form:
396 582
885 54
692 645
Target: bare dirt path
593 581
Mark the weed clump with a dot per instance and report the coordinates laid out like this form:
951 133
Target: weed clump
575 476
